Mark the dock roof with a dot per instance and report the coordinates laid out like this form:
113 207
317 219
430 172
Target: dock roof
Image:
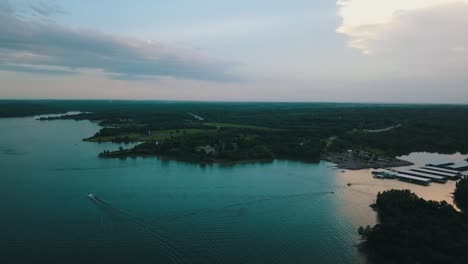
440 169
438 173
461 166
409 177
421 174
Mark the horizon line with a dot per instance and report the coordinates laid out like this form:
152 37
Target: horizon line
235 101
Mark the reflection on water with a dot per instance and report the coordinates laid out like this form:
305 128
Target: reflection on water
59 115
364 188
277 212
423 158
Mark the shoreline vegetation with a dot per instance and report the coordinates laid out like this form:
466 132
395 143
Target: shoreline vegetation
358 160
353 136
413 230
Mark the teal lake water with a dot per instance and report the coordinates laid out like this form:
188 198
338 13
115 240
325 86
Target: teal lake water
278 212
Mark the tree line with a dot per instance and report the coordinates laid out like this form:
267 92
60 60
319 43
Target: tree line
413 230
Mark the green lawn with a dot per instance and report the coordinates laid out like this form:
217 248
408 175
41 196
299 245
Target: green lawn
164 134
155 135
239 126
133 136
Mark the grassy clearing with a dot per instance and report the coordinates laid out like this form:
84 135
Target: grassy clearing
131 136
156 135
165 134
240 126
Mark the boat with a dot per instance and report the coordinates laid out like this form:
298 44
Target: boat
93 198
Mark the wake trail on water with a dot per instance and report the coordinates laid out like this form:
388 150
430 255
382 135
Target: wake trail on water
242 204
212 249
155 238
368 184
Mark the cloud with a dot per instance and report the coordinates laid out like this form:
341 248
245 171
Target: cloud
355 13
423 37
5 7
46 9
34 69
39 43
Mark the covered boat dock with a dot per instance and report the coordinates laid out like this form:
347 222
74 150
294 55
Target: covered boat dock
460 166
448 175
401 177
441 169
434 178
413 179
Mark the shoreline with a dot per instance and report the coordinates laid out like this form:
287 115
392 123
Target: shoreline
348 161
128 154
348 164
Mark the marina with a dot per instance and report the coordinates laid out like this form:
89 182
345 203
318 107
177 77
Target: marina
424 173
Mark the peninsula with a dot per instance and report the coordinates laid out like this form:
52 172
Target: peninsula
354 136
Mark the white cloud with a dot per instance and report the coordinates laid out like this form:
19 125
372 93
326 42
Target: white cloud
35 45
356 13
424 37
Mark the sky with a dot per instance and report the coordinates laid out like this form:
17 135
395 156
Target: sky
398 51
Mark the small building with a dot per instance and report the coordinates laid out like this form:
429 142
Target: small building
209 150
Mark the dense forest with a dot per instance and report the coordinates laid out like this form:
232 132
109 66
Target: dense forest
413 230
460 195
229 144
244 131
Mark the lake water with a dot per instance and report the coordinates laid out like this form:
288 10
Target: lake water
278 212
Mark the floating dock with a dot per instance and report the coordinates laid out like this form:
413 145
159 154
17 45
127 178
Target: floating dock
383 174
401 177
439 172
413 179
441 169
460 167
433 178
448 175
441 165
